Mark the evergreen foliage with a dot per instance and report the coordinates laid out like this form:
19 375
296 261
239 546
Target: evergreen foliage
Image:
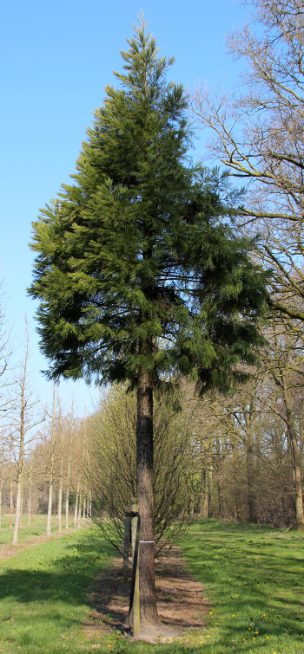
138 267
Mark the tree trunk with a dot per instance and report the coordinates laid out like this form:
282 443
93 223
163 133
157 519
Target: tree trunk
21 454
297 477
84 508
29 499
296 460
210 491
21 507
67 496
67 507
52 467
238 512
251 489
220 495
60 484
204 503
76 506
50 504
79 511
144 441
51 486
59 512
18 511
219 478
11 503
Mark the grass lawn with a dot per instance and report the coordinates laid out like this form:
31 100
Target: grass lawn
43 594
36 528
252 576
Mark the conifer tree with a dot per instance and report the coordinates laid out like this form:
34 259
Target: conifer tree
139 275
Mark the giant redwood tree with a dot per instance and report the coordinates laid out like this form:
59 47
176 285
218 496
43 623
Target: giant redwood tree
139 274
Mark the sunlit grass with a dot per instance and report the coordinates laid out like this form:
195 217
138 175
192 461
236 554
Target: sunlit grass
36 527
43 594
252 576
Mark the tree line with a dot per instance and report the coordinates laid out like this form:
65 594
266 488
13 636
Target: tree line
237 457
43 454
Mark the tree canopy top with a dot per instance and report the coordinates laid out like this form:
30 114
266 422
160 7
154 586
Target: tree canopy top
138 267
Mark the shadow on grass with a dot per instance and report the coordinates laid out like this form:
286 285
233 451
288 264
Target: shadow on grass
67 578
252 575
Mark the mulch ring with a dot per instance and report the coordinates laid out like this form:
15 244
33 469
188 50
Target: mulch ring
180 600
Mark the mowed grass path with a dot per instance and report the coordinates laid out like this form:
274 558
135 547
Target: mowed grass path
253 577
37 527
43 593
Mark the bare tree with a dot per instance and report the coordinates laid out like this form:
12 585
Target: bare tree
259 137
30 490
285 364
68 471
112 465
23 423
60 471
51 463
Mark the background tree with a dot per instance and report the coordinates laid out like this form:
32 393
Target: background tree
5 401
285 365
139 274
52 443
23 422
20 443
112 464
259 137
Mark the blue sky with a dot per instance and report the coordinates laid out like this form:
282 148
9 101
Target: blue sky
56 59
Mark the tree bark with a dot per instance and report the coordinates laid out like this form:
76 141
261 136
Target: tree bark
220 496
297 470
76 506
79 513
219 481
29 499
21 454
51 467
144 441
210 491
204 504
60 483
50 502
11 503
251 482
67 496
296 460
59 510
84 507
251 492
18 512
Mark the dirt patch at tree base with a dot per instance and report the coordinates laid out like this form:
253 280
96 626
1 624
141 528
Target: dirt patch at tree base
180 600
